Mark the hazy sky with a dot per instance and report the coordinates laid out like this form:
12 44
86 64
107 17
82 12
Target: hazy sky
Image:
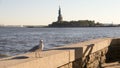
43 12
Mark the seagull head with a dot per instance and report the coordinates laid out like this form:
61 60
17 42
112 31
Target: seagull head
41 41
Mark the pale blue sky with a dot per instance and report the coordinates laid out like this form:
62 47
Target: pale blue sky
43 12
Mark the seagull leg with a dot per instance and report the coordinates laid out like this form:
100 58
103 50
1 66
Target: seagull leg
39 54
35 54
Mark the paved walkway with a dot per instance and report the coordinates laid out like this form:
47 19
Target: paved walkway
111 65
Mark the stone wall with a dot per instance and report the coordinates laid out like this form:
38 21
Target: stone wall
92 57
94 60
88 54
113 53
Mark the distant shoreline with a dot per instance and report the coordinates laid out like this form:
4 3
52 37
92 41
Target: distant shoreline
54 26
71 27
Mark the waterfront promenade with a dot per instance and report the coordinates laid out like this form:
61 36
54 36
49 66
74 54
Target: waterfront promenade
97 53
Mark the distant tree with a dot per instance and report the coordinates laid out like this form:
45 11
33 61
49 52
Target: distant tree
79 23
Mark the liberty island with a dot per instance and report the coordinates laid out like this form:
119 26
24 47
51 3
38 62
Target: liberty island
80 23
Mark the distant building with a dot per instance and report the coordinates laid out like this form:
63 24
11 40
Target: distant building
60 18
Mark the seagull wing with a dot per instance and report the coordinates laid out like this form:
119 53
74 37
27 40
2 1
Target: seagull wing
34 49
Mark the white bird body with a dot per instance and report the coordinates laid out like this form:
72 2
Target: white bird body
37 49
41 45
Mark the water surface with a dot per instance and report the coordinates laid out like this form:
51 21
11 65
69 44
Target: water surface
19 40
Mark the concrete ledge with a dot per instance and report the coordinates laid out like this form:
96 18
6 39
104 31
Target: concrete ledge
56 57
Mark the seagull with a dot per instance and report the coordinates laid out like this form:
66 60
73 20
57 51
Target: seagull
37 49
